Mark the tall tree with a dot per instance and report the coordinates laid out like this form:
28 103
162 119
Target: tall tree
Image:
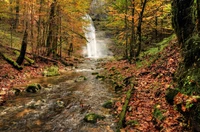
21 57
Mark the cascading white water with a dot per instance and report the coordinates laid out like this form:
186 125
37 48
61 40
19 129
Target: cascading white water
96 41
91 39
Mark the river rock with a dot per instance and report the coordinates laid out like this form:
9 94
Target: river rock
100 77
108 104
92 118
33 88
80 79
14 91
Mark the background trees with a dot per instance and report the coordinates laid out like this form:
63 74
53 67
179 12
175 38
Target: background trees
138 23
52 26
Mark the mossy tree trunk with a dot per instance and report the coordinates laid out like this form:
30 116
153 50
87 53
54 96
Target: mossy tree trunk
198 16
188 74
183 19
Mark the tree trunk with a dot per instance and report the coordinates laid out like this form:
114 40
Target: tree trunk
126 29
183 19
20 59
198 16
139 27
51 35
16 15
132 42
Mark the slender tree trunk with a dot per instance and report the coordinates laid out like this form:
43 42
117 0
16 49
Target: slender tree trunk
132 42
126 29
20 59
156 29
198 16
16 14
32 36
139 28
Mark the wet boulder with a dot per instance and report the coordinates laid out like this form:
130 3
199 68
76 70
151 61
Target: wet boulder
33 88
100 77
80 79
108 104
93 118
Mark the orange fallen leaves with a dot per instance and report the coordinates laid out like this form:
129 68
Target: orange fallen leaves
151 83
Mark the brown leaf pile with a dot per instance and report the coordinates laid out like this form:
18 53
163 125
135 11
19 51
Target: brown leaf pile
151 84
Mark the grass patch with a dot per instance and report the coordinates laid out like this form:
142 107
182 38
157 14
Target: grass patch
149 56
159 46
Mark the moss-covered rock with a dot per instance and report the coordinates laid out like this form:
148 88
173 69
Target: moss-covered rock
92 118
108 104
100 77
33 88
51 71
80 79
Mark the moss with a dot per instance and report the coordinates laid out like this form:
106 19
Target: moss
12 62
80 79
191 52
26 58
51 71
100 77
92 117
122 121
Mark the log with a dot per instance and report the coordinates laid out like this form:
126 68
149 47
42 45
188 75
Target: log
12 62
39 56
26 58
121 123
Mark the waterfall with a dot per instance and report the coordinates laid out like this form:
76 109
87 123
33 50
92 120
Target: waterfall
90 35
96 41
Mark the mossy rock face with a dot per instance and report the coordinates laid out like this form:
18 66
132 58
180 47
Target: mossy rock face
92 118
33 88
191 52
108 104
51 71
195 120
171 93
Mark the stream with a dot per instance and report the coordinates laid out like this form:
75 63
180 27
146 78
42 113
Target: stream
62 105
63 101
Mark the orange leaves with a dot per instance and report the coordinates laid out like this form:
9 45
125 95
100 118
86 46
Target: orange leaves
150 84
185 101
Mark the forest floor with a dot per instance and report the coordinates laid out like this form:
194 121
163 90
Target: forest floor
148 109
